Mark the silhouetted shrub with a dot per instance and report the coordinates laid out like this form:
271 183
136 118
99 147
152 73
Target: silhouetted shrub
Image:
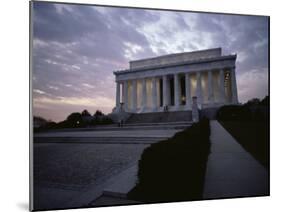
234 113
253 110
174 169
265 101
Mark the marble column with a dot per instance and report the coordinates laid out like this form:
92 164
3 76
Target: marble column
134 96
187 91
198 88
168 91
154 94
233 86
122 93
125 97
221 86
177 90
165 90
143 94
210 87
117 95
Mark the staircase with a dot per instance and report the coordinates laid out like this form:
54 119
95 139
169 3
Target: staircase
160 118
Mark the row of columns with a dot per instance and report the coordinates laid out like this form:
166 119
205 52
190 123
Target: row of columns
177 90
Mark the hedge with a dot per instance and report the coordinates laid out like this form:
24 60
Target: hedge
174 169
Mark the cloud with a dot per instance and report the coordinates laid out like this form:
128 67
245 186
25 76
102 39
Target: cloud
247 90
53 87
39 91
81 101
88 85
168 34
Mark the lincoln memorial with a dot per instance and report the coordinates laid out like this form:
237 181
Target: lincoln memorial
169 82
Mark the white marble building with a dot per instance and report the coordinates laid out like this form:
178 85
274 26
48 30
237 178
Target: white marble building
172 80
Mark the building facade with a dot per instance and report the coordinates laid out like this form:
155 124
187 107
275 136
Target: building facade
169 82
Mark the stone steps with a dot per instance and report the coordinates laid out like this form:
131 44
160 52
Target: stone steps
99 140
160 117
179 123
131 126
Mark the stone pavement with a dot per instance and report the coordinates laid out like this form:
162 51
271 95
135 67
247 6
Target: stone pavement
71 169
231 171
72 175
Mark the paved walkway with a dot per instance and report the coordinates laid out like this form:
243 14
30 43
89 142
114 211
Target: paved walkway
231 171
115 193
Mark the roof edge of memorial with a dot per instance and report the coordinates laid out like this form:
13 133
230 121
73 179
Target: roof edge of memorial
201 60
176 54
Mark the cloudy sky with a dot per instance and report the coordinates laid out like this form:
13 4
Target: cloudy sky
76 48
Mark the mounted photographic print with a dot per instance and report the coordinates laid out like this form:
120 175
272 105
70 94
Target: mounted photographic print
137 105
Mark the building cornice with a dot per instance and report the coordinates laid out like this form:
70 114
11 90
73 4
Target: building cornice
199 61
167 56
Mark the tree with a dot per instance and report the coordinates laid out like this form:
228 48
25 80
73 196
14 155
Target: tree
98 113
265 101
254 101
85 113
74 119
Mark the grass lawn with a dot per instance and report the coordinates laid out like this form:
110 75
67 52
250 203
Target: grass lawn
253 136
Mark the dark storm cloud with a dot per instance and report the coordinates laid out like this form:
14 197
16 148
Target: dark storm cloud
97 34
83 31
76 49
247 35
66 25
